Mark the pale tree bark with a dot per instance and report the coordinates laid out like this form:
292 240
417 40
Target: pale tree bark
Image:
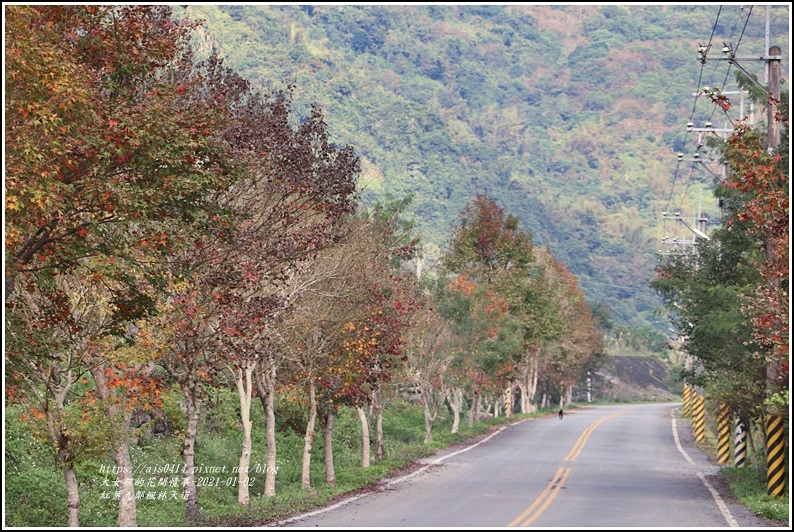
529 384
308 439
59 435
509 394
266 385
431 397
327 423
182 365
430 419
470 413
474 411
377 403
192 410
454 398
58 384
245 391
128 514
72 496
380 451
365 452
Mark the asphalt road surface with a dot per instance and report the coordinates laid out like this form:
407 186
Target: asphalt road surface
625 466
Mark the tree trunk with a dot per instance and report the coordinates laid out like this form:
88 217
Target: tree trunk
60 437
327 422
72 496
379 449
470 415
380 453
364 436
267 391
128 514
474 412
532 383
529 384
192 407
430 418
430 408
522 388
245 392
308 439
509 397
454 400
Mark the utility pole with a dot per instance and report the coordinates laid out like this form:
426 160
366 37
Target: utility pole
775 431
776 436
772 125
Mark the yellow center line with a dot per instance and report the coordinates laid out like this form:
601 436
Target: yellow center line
544 500
553 487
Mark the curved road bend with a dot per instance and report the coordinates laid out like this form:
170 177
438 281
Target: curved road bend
604 466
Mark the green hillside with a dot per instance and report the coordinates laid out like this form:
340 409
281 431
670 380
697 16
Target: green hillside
570 117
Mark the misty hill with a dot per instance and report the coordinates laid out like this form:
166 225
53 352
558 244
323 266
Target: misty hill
570 117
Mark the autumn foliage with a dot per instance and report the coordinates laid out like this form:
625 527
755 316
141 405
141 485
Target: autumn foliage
762 179
169 226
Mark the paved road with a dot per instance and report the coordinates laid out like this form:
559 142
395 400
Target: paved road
608 466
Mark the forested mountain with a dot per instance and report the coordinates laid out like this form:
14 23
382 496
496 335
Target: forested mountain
570 117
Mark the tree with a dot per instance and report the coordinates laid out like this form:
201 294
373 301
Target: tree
294 190
44 340
429 352
373 347
96 136
763 182
578 340
705 296
536 303
107 147
334 296
729 302
488 254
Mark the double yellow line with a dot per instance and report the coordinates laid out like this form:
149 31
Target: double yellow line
554 487
540 504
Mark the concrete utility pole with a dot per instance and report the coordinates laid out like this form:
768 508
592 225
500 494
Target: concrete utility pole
776 433
776 436
772 125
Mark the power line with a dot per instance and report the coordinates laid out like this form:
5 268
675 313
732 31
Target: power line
742 19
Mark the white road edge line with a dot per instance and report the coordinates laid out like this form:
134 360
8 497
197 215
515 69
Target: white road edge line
389 483
442 458
720 503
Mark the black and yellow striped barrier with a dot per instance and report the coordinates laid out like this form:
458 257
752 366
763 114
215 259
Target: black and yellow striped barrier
723 434
739 443
775 456
687 400
698 418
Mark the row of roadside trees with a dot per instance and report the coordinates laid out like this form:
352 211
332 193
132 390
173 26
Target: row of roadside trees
168 225
730 301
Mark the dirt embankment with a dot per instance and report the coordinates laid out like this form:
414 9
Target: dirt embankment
635 378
